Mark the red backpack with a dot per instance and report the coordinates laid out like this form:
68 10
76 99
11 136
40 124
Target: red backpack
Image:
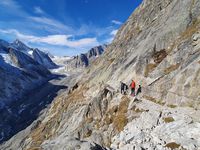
133 84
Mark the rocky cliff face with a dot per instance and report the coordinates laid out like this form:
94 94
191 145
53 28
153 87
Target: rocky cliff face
83 60
158 47
96 51
43 59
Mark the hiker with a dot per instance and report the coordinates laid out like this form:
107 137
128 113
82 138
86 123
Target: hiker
139 90
124 88
132 85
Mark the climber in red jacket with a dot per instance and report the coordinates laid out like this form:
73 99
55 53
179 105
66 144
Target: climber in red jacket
132 85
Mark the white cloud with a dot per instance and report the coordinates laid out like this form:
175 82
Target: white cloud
116 22
48 21
108 40
112 36
38 10
52 23
59 33
8 3
114 32
90 28
12 7
45 22
63 40
60 40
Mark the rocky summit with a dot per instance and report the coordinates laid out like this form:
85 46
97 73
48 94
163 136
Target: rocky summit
84 60
159 48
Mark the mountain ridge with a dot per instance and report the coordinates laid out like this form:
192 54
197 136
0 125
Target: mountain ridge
40 56
80 62
84 59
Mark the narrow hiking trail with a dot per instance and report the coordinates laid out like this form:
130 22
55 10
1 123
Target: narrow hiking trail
152 124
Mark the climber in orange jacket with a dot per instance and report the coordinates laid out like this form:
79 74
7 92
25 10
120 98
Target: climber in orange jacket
132 85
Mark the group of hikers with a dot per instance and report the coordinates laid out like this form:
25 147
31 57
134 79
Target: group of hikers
125 87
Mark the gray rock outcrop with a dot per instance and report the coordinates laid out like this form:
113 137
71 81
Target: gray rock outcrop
84 60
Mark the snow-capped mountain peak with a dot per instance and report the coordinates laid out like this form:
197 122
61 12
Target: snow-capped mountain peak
38 55
20 46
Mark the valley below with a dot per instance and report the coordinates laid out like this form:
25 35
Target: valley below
18 115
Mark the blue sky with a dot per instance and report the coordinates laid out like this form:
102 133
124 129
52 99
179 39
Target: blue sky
63 27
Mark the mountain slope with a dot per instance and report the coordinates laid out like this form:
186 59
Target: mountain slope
158 50
43 59
158 47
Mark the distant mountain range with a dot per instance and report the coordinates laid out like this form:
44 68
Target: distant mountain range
82 60
22 69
